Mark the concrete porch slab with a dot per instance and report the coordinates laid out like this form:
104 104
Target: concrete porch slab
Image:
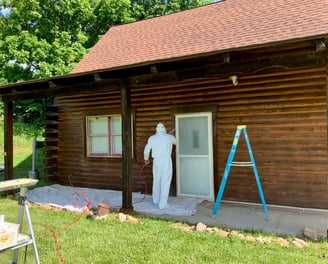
246 216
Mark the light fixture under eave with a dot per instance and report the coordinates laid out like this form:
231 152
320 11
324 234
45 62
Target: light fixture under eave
51 84
320 45
234 79
226 57
97 77
153 69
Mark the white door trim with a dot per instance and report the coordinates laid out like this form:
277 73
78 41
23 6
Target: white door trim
210 170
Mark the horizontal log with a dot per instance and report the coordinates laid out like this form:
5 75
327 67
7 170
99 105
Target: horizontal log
286 116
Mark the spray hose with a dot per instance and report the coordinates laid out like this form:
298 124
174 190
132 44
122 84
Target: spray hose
140 175
88 202
86 209
144 182
54 231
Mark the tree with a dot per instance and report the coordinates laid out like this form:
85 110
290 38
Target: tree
151 8
44 38
48 37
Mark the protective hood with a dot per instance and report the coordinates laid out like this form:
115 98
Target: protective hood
160 129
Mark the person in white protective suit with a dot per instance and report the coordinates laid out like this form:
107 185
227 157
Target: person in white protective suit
160 146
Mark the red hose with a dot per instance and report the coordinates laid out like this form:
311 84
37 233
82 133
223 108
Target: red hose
144 182
54 232
145 186
88 205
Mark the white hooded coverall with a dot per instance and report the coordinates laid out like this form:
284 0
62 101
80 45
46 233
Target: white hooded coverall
160 145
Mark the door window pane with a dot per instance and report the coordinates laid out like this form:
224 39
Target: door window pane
193 135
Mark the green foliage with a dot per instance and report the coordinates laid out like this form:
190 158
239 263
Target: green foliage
107 13
29 112
47 38
44 38
22 140
152 8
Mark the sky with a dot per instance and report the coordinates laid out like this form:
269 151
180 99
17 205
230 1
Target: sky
4 11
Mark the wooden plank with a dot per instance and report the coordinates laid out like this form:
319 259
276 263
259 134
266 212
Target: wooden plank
8 141
127 149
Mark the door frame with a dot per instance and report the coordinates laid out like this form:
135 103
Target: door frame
211 150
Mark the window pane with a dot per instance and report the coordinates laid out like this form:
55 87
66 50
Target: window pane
117 144
104 135
98 126
116 125
99 145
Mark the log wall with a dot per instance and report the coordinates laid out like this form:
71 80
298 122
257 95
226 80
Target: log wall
286 116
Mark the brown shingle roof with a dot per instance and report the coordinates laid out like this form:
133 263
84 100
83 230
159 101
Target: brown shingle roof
222 26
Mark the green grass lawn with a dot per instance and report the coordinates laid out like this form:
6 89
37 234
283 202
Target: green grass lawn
150 240
23 141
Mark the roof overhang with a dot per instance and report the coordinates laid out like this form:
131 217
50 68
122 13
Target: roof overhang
113 77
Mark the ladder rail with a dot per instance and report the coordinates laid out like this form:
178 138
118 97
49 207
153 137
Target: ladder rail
226 173
257 178
23 210
23 240
231 163
29 224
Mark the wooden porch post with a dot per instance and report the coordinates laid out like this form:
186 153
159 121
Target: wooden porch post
127 150
8 140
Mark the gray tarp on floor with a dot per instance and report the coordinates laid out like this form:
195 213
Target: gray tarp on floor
72 198
283 220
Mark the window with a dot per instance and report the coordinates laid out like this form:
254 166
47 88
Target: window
104 136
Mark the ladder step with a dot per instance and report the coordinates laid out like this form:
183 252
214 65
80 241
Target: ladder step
240 129
242 164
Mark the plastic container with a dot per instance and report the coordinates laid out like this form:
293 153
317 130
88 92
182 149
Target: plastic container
8 234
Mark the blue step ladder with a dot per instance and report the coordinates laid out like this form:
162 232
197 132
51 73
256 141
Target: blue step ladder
230 163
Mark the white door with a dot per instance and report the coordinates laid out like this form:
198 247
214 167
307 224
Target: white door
194 155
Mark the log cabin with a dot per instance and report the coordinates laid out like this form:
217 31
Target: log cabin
202 72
